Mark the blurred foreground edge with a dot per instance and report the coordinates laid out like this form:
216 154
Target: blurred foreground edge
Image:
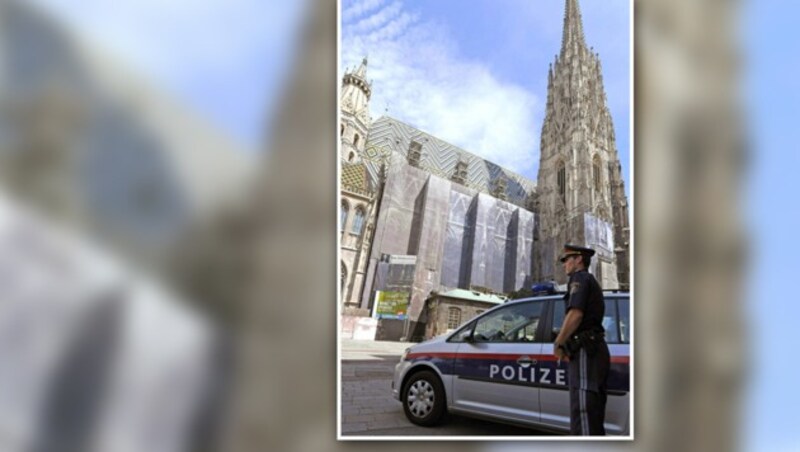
690 243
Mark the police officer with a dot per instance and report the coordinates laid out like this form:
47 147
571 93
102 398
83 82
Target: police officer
582 340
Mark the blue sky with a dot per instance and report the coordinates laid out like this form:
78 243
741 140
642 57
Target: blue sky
772 59
475 72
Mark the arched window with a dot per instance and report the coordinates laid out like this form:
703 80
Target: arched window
351 156
453 318
596 173
343 215
355 140
341 131
358 221
562 183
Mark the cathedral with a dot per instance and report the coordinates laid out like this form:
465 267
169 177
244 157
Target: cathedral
420 216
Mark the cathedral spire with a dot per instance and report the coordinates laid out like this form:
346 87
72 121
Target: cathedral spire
356 120
573 27
579 175
362 70
358 78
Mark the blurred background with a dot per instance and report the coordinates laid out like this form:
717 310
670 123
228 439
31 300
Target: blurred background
168 227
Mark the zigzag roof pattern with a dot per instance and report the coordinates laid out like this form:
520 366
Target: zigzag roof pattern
354 178
390 138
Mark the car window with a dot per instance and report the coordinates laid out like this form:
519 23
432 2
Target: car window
515 323
609 319
462 334
558 318
624 320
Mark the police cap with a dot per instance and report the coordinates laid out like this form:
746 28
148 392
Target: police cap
574 250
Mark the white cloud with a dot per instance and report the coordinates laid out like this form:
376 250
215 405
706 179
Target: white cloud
417 72
392 29
376 20
360 7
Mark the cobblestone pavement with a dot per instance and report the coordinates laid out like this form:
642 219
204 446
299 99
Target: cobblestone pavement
367 406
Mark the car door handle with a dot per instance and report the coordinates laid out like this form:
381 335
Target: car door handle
526 360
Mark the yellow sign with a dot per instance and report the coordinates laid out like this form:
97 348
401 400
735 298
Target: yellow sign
392 305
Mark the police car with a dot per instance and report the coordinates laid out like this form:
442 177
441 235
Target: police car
500 366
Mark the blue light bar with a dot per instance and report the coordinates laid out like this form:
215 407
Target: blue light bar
544 288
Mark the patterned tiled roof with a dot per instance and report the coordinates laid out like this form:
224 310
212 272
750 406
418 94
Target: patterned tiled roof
389 136
354 178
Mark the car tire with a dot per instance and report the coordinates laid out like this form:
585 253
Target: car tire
424 399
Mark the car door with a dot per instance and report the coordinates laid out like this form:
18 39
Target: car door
553 393
618 404
554 398
496 366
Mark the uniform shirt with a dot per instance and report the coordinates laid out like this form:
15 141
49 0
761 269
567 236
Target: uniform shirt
584 293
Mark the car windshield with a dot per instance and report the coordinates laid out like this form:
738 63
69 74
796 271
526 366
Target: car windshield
517 322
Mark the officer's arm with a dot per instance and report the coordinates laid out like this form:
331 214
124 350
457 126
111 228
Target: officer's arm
571 322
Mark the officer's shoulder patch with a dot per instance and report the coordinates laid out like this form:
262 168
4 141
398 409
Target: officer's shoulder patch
574 287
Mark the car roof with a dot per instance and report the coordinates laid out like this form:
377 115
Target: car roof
558 295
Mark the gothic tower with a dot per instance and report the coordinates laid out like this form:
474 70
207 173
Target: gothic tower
581 196
359 192
353 130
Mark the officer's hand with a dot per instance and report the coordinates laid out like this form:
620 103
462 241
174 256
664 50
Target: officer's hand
559 352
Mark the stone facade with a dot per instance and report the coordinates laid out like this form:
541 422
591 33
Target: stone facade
356 223
359 191
353 130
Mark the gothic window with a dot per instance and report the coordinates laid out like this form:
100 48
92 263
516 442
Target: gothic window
358 221
341 132
596 174
562 183
453 318
351 156
343 215
355 140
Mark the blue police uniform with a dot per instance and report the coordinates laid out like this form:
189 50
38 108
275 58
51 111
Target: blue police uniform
589 356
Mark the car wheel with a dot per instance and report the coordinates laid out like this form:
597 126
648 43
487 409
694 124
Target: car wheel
423 399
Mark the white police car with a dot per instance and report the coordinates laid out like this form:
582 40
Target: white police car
500 366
